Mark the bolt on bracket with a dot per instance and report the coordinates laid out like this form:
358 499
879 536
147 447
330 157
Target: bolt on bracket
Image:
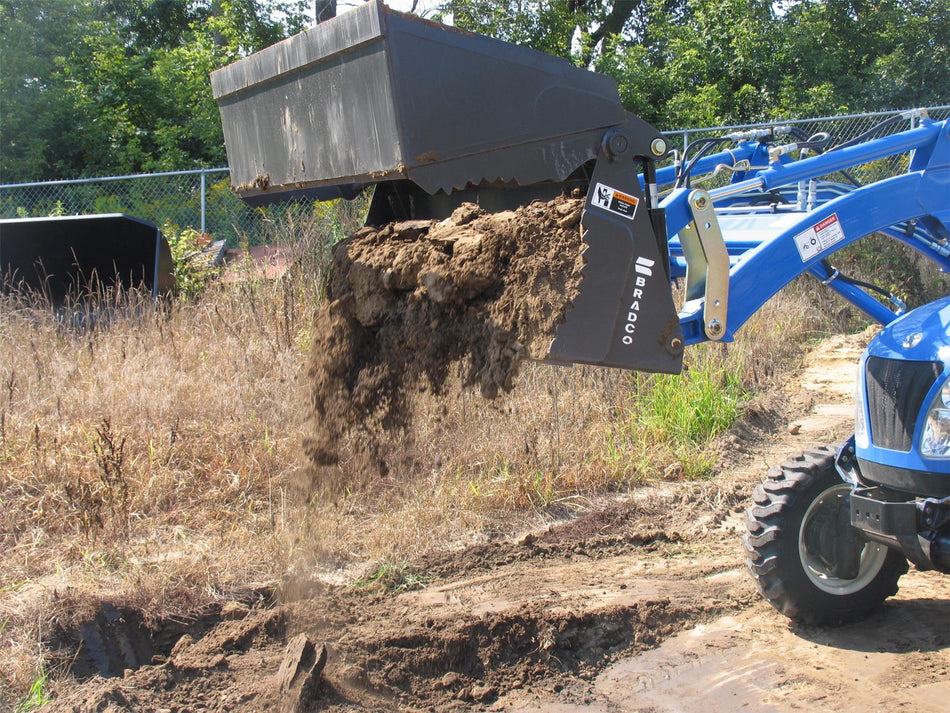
707 264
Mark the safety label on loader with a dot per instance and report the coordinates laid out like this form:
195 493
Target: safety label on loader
615 201
819 237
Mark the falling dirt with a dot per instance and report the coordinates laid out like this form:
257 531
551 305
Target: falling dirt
641 604
409 301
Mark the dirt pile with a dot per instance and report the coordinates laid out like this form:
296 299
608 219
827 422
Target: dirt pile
409 301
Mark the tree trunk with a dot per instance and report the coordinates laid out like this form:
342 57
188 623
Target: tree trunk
217 38
325 9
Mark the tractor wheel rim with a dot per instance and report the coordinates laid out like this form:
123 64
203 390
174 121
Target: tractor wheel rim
872 555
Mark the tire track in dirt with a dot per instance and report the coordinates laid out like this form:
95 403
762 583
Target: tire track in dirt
752 658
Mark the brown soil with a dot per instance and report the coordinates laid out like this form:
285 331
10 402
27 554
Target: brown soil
642 603
410 301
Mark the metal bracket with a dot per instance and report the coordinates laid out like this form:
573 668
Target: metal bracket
623 314
707 264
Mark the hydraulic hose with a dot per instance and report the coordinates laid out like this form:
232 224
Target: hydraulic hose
870 133
798 133
890 297
816 142
706 144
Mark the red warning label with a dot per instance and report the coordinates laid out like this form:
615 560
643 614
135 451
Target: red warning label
818 238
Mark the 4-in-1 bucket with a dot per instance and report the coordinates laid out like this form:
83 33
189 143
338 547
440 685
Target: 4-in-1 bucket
436 116
375 95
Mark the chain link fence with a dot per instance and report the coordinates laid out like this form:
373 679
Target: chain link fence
202 199
840 129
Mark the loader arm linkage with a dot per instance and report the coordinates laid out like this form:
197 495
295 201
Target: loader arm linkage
433 116
730 275
913 207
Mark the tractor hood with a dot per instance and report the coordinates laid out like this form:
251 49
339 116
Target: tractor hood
923 334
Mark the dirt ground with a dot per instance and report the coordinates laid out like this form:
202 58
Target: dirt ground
640 604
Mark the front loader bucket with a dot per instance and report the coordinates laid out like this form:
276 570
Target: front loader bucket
434 115
73 257
375 95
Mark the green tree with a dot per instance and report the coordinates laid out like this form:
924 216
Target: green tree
700 62
858 55
716 61
580 30
35 37
545 26
89 87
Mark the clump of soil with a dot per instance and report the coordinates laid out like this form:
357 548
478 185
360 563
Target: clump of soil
410 301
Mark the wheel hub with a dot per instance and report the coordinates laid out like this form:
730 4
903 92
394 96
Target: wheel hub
834 555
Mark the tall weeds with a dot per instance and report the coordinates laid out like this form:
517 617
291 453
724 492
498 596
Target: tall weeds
150 455
144 457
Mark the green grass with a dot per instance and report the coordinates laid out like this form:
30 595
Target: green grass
37 695
692 407
664 423
391 577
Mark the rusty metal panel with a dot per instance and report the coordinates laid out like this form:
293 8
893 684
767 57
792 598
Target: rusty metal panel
377 95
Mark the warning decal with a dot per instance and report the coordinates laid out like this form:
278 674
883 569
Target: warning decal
615 201
819 237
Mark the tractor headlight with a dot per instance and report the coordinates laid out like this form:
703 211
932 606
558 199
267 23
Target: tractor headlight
935 441
862 438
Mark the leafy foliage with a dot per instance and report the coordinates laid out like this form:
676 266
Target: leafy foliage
93 87
193 271
682 63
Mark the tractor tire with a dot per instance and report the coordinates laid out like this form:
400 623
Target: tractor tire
804 556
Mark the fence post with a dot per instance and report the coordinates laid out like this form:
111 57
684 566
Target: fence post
203 231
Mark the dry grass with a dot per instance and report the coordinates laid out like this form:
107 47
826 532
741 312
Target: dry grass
472 468
151 460
146 458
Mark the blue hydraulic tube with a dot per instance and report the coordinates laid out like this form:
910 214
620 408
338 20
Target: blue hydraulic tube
784 174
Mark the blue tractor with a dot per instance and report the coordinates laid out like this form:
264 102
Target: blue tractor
831 531
431 116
